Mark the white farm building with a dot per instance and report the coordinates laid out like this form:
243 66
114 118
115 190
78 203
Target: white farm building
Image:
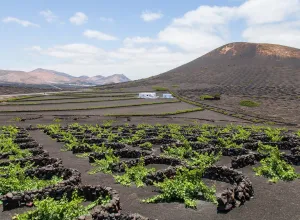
167 96
148 95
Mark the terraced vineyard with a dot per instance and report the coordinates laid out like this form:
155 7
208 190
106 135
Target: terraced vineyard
198 166
110 155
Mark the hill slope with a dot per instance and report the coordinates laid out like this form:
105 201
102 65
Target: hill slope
43 76
240 65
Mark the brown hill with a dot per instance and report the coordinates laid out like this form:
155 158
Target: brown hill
238 67
43 76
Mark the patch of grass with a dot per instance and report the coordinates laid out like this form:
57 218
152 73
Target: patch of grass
159 88
204 97
249 103
210 97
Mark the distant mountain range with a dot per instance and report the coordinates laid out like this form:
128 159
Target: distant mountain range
43 76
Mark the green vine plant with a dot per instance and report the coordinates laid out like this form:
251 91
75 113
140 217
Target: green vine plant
186 186
16 180
274 134
228 143
147 145
135 174
273 167
63 209
105 165
8 146
241 134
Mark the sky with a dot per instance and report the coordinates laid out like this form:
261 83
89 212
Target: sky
133 37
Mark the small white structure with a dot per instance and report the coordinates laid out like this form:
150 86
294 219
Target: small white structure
167 96
148 95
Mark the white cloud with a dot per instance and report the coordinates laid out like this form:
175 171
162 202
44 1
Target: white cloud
135 62
129 41
151 16
105 19
99 35
199 30
73 51
287 33
24 23
48 15
79 18
268 11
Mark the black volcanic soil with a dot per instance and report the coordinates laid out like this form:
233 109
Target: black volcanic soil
8 90
79 105
271 201
147 109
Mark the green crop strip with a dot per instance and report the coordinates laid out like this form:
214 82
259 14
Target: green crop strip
92 108
157 114
16 99
70 102
79 97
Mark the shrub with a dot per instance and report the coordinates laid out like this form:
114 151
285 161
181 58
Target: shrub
204 97
50 209
249 103
135 174
184 187
273 167
158 88
105 165
17 180
146 145
210 97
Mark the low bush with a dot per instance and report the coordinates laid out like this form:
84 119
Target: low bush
105 165
249 103
273 167
158 88
210 97
135 174
63 209
16 180
185 186
146 145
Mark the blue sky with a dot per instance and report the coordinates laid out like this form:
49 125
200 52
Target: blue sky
136 38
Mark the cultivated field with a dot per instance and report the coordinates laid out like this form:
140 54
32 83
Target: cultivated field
109 155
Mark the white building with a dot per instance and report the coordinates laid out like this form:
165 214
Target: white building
148 95
167 96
